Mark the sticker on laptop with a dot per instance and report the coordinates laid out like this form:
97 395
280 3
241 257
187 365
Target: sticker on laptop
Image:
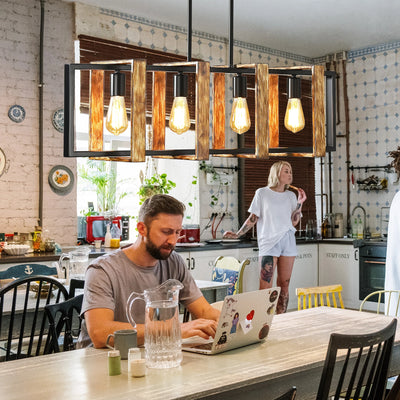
263 332
247 324
235 321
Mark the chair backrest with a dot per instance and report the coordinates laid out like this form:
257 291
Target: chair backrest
23 322
63 318
318 296
289 395
75 284
389 297
229 269
366 371
25 271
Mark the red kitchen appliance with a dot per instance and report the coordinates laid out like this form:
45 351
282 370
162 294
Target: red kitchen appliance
190 233
96 227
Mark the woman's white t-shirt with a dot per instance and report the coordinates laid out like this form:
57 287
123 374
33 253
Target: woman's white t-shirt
274 211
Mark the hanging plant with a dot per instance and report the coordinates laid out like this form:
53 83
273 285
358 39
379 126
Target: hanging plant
156 184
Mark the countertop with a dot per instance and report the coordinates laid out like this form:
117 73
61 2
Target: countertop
51 256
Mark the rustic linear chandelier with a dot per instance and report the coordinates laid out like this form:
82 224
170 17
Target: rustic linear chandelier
266 124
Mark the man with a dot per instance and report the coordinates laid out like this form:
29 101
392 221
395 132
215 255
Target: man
145 264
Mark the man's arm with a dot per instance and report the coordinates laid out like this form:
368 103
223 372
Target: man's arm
100 323
206 321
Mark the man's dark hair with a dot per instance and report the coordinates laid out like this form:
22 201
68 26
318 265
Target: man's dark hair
160 203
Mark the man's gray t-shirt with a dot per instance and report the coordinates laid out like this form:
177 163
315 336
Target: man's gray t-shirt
111 278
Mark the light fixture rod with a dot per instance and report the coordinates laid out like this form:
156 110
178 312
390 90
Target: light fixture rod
231 34
189 35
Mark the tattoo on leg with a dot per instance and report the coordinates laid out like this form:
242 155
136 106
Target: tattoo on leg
267 268
283 301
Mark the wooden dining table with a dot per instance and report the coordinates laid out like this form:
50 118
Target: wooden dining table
292 355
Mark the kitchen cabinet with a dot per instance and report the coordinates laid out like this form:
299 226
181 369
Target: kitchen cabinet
305 271
200 263
339 263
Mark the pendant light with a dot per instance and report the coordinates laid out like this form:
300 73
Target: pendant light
117 120
240 117
179 121
294 116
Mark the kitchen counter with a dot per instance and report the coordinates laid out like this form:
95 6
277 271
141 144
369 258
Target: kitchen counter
51 256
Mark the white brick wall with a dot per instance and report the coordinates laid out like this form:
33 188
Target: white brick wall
19 78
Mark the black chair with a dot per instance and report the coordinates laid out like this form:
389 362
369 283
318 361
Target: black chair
362 376
73 285
289 395
394 393
23 322
63 317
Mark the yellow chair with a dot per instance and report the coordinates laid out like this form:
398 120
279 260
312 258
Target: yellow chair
229 269
392 296
319 296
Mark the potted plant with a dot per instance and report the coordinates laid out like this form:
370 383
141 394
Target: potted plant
156 184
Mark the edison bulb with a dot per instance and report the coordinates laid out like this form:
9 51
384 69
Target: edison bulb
240 117
294 117
117 120
179 120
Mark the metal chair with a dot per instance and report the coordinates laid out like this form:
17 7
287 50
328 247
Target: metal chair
229 269
362 376
23 322
63 317
319 296
25 271
73 285
389 297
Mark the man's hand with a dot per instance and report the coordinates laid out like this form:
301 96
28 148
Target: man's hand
199 327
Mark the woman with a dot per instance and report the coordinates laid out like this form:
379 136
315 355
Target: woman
276 212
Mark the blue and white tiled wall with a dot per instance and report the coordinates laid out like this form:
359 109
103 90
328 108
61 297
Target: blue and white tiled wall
373 84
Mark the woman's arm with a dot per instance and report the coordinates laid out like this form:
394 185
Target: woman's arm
296 215
248 224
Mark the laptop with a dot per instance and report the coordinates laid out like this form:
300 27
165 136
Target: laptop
245 319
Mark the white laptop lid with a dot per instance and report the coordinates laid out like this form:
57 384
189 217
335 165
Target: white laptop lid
245 319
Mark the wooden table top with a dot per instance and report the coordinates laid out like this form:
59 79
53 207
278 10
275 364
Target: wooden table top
293 354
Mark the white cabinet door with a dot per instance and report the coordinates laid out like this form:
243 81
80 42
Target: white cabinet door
251 277
305 271
202 262
338 263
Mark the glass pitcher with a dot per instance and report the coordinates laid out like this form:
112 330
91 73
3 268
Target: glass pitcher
162 332
78 262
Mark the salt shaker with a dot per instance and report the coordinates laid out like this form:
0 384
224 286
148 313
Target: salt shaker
136 365
114 363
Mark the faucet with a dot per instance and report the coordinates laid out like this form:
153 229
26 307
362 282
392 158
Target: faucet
364 215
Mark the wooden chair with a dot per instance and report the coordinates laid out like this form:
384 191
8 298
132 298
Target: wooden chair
318 296
289 395
365 374
392 296
394 392
229 269
23 322
63 317
24 271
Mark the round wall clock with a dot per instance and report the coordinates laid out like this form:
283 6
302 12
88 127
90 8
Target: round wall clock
4 163
61 180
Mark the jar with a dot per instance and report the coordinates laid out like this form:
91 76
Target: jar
338 225
114 363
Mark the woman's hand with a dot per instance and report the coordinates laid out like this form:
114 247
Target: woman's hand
301 197
230 235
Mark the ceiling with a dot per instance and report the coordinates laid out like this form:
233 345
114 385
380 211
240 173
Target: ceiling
311 28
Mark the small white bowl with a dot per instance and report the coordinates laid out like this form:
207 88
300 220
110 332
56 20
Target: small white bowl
16 249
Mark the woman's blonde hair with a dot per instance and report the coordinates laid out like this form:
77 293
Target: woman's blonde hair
275 171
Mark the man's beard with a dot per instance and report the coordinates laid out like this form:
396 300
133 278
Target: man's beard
155 251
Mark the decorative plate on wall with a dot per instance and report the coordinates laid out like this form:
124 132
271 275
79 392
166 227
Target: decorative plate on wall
16 113
58 120
61 180
4 163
